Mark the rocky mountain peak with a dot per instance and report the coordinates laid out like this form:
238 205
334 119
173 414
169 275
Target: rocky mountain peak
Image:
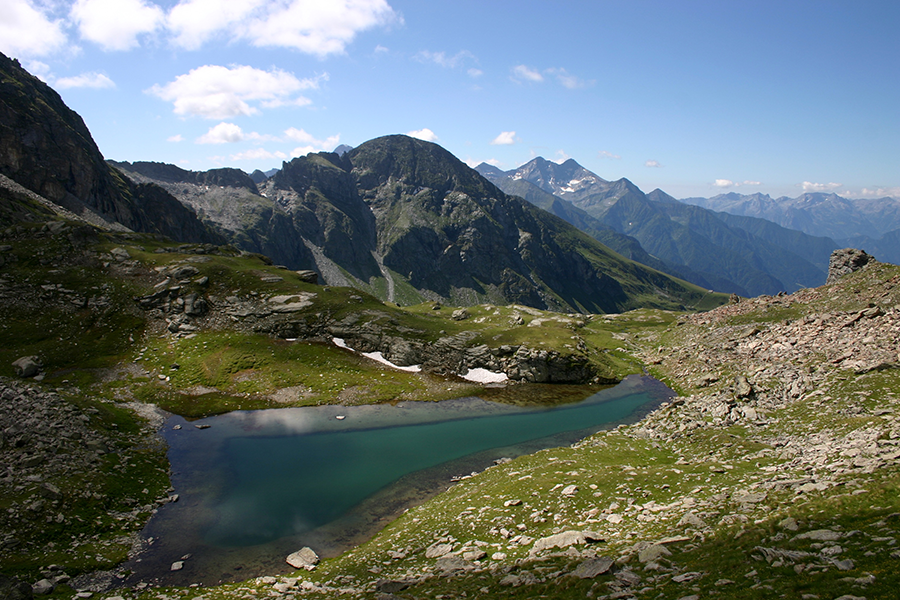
46 148
565 180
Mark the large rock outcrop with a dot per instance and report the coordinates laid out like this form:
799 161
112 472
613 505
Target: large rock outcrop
846 261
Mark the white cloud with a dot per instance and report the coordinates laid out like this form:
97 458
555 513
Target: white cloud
25 30
39 69
880 192
423 134
523 73
379 49
808 186
223 133
653 164
258 154
217 92
311 26
504 139
475 73
311 144
85 80
566 79
605 154
194 22
727 183
443 60
175 138
561 157
116 24
229 133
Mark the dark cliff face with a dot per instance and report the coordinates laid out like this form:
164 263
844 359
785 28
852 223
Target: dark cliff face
46 147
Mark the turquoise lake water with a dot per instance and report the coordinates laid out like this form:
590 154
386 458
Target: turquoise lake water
257 485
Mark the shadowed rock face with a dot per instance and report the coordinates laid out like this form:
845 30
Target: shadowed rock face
46 147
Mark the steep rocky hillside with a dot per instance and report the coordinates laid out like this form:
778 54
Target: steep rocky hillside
406 221
46 148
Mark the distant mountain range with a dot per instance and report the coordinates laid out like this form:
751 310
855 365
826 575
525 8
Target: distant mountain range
870 224
746 256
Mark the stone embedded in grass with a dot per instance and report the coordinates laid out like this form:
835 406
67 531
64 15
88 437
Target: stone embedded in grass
653 553
593 567
305 558
438 549
820 535
27 366
569 490
564 540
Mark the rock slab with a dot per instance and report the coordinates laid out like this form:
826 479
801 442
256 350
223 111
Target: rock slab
305 558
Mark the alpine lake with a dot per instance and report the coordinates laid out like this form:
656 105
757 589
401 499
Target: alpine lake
255 486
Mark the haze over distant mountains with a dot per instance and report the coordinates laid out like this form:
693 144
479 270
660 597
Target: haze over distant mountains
871 224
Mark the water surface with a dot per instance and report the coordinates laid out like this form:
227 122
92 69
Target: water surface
258 485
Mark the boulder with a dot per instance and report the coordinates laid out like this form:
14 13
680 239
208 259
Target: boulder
845 261
452 563
742 387
27 366
438 549
564 540
43 587
460 314
653 553
308 276
305 558
593 567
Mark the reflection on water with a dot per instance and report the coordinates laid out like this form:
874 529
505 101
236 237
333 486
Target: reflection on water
256 486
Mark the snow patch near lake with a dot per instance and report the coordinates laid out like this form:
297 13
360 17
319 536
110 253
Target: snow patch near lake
377 357
484 376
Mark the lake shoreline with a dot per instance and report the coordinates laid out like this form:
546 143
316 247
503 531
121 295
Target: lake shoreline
152 565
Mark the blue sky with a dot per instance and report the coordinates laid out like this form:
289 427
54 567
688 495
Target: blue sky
696 98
